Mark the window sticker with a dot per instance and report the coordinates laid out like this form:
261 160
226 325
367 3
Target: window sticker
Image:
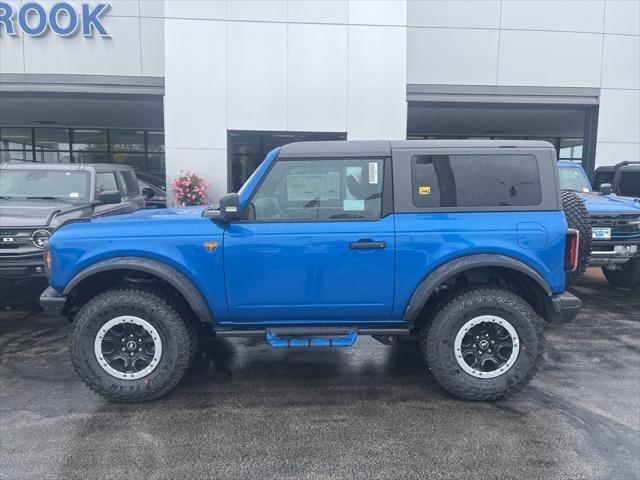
353 205
424 190
74 195
373 173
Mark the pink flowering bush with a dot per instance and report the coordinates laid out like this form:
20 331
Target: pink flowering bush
189 189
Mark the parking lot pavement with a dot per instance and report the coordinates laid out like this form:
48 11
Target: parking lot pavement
246 411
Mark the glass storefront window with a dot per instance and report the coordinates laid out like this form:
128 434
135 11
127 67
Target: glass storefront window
48 156
92 140
15 138
126 140
16 156
52 138
155 141
136 160
155 164
91 157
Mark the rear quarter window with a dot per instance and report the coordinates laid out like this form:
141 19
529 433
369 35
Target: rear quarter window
629 185
475 181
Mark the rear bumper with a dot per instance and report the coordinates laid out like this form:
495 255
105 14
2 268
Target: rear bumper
566 307
52 302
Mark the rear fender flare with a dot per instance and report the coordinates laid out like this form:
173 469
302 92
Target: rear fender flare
450 269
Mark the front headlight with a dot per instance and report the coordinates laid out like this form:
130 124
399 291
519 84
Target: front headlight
39 237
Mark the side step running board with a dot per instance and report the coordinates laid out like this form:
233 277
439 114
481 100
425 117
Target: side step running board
276 340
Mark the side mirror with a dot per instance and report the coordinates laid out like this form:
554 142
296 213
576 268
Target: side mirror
109 197
228 211
148 192
605 188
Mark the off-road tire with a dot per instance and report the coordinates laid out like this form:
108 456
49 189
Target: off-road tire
437 343
628 276
177 335
578 218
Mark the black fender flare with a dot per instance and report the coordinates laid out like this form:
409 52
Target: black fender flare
165 272
443 272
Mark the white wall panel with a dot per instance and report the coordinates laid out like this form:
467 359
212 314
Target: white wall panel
559 15
257 63
258 10
152 8
549 59
195 85
621 62
318 11
378 12
197 9
11 55
377 107
452 56
118 55
209 163
619 116
621 16
454 13
152 46
317 78
612 153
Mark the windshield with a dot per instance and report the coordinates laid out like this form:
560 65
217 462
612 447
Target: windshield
573 179
36 183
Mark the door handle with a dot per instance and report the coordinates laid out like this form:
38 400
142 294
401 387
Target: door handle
367 245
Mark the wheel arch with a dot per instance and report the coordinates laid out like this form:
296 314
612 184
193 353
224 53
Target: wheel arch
150 268
429 286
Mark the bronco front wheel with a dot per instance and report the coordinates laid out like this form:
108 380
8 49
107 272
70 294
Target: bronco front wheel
483 344
131 345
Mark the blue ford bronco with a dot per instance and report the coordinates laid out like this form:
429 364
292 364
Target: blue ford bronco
609 225
462 244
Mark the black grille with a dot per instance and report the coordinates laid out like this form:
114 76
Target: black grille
619 224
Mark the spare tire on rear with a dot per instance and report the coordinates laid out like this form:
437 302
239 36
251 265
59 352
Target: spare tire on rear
578 219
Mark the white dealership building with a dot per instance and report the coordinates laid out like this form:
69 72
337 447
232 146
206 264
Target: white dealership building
212 85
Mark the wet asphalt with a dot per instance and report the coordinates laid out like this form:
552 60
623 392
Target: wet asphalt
246 411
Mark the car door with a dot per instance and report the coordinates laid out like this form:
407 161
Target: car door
317 245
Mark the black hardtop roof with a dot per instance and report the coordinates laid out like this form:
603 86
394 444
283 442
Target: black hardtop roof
78 167
384 147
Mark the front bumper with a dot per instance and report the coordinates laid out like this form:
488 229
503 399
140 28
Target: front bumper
52 302
566 307
613 252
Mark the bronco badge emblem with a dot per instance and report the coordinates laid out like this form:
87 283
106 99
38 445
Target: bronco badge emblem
210 246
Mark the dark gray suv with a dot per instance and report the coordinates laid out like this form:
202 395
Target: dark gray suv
36 199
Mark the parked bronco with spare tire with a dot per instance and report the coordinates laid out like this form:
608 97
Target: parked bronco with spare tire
463 244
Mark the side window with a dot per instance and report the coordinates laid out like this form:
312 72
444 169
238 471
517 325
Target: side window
106 182
475 181
629 184
603 177
130 183
325 190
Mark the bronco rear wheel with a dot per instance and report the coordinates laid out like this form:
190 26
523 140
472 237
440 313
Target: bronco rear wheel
483 344
131 344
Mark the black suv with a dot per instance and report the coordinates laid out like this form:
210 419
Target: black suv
623 177
36 199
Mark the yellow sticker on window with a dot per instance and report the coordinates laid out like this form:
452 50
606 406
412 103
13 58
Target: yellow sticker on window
424 190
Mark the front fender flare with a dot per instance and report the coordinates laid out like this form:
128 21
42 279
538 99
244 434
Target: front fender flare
154 267
434 279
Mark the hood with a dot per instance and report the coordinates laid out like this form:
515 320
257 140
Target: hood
597 204
164 214
38 213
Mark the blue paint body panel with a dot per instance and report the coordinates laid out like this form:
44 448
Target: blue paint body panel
303 274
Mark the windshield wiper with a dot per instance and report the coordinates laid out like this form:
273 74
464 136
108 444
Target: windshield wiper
4 197
46 197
